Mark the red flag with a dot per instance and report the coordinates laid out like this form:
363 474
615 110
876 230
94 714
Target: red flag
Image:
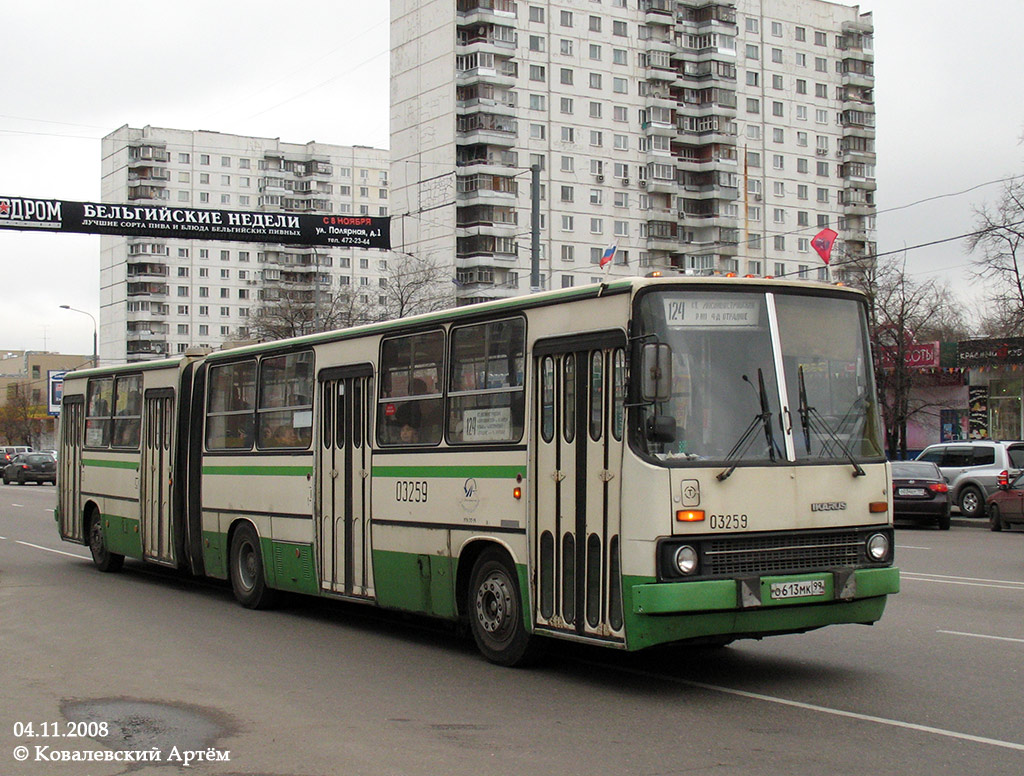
822 243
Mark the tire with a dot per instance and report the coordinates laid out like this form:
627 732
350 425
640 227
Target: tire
248 581
104 560
943 522
21 480
496 611
995 520
971 502
6 481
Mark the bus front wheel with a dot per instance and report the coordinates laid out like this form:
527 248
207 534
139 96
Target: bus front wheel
247 579
104 559
496 611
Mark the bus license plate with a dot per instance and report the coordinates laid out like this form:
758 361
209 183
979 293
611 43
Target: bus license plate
782 590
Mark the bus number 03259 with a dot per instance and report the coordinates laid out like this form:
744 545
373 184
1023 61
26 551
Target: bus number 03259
728 522
413 491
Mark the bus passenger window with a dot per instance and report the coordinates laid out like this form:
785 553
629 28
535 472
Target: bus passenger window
230 405
485 389
127 411
410 403
285 413
97 416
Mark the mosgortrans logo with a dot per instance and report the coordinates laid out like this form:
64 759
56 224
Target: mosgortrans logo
46 211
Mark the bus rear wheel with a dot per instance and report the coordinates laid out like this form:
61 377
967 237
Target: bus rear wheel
102 558
247 578
496 611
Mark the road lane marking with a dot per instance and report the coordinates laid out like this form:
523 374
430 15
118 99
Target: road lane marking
58 552
828 710
982 636
1002 584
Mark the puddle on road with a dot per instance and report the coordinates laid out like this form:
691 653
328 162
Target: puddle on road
134 725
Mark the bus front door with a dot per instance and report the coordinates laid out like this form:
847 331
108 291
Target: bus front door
579 432
343 482
69 469
156 471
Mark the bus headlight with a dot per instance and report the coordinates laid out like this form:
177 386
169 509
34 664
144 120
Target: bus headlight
878 547
686 560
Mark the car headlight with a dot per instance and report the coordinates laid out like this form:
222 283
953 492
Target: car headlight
878 547
686 560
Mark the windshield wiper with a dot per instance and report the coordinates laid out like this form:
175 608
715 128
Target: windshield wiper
764 417
811 420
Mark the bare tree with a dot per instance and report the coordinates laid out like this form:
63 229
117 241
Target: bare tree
415 286
999 243
293 313
410 287
904 312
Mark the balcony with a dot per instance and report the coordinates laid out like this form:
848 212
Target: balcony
147 154
144 288
484 11
661 12
141 270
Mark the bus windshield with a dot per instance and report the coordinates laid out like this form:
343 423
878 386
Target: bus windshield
772 378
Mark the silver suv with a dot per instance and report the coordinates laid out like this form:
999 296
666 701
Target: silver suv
974 470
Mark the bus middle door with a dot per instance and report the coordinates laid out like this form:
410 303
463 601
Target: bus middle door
343 485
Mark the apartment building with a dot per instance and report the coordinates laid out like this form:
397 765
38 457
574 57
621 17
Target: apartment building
159 297
704 136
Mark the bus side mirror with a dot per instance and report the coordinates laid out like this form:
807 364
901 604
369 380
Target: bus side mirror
661 429
656 372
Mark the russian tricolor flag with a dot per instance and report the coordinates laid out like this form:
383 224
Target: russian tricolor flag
608 255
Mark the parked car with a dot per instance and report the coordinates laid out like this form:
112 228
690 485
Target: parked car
1006 506
7 453
974 469
920 492
31 467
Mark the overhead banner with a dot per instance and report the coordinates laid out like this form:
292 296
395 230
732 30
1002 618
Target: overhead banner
57 215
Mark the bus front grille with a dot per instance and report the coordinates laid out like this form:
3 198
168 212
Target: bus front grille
782 553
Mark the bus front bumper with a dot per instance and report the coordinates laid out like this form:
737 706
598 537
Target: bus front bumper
718 595
725 609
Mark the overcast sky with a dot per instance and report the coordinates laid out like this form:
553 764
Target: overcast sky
950 115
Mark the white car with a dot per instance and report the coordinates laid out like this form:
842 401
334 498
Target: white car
975 469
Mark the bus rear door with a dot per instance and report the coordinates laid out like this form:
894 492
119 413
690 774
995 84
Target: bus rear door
69 468
156 471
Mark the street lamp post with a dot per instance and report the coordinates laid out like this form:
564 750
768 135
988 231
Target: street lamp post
95 353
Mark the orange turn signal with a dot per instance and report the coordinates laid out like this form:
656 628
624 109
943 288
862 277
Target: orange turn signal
517 493
690 516
878 506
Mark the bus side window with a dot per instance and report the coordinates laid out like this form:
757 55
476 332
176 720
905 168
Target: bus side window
230 405
285 411
485 390
410 403
98 408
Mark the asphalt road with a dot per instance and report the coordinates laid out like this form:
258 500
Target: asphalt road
172 666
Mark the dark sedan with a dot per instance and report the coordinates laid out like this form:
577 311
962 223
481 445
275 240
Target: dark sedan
920 493
31 467
1005 507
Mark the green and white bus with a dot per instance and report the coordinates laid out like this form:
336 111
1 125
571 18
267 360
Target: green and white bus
641 462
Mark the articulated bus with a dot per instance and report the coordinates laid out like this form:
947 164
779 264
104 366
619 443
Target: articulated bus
635 463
